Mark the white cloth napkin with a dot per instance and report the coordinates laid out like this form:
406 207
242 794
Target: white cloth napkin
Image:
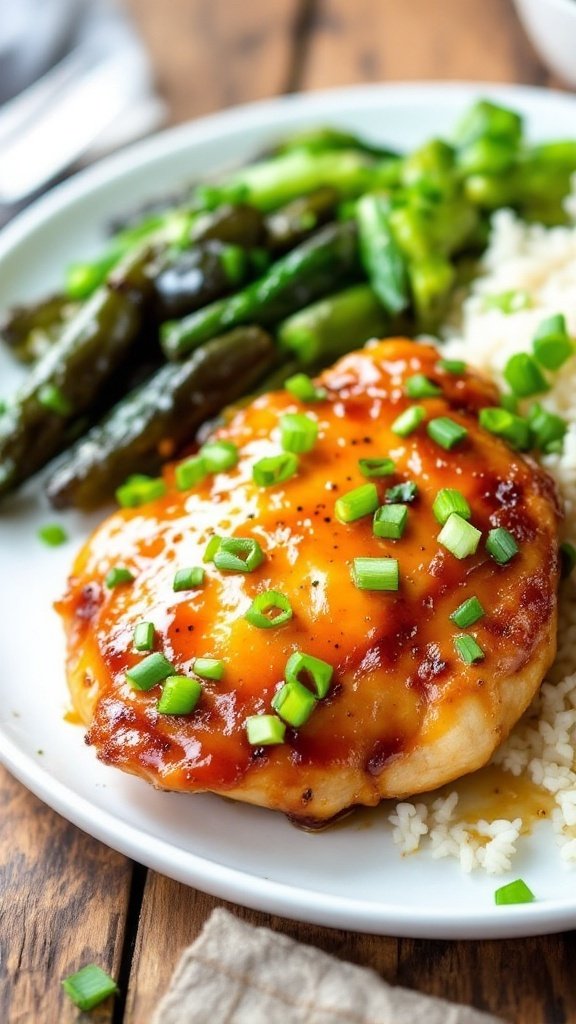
237 974
39 36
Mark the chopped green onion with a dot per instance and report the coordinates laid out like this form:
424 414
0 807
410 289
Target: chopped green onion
375 573
513 429
144 636
513 892
403 493
180 695
274 469
376 467
269 609
139 490
218 456
238 554
390 521
547 427
265 730
509 401
190 472
419 386
189 578
459 537
551 344
304 668
52 398
567 559
89 986
508 302
501 546
446 432
294 703
468 650
524 376
147 673
211 548
53 535
303 387
298 432
468 613
408 421
118 575
356 504
447 501
453 366
208 668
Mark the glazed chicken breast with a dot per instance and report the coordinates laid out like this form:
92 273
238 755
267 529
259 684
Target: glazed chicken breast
402 703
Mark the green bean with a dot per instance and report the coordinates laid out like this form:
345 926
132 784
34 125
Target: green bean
168 408
327 329
381 255
310 270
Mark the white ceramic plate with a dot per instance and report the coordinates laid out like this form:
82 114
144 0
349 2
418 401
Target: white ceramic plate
351 876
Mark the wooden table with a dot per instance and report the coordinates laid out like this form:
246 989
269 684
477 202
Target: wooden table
66 899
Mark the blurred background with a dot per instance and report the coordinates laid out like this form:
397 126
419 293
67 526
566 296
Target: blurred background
79 78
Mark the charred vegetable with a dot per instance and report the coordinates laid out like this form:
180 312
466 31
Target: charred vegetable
297 220
310 270
29 331
67 381
172 405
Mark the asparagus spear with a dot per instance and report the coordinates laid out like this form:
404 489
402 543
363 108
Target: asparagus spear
69 379
310 270
28 331
381 255
198 276
271 183
167 409
293 223
329 328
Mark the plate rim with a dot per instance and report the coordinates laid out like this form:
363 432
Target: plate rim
220 880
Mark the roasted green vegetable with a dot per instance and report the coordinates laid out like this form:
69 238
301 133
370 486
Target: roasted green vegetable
310 270
29 331
381 255
68 380
238 224
329 328
293 223
271 183
326 139
167 409
197 276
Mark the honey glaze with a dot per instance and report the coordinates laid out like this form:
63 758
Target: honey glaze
404 712
493 793
486 795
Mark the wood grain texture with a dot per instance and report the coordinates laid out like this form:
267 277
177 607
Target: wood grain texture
63 899
173 916
210 54
387 40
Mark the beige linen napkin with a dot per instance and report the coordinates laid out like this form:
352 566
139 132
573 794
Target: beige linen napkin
237 974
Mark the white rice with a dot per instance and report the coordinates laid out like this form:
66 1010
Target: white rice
542 262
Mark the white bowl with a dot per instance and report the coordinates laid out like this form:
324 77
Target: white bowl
551 27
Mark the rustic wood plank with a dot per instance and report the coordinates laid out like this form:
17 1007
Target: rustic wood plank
64 899
525 981
384 40
173 915
210 54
